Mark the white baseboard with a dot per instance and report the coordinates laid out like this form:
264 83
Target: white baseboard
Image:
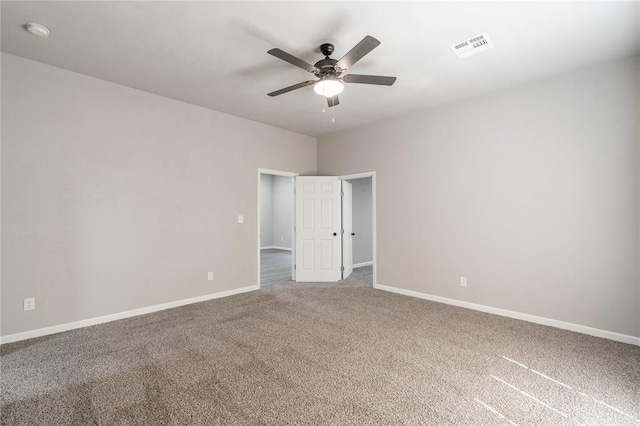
121 315
611 335
275 247
360 265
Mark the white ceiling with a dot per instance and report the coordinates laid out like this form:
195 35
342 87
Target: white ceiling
214 54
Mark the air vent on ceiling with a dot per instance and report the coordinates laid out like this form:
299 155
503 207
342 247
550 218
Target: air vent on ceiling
472 46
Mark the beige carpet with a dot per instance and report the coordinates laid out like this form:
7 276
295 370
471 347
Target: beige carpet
342 354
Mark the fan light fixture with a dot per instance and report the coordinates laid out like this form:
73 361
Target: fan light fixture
328 87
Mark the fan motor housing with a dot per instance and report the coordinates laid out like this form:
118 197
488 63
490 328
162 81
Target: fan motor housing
327 67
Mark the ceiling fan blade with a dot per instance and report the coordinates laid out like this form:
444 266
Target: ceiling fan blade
281 54
365 46
290 88
333 101
369 79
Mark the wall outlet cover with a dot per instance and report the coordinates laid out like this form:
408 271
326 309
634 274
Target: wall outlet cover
29 304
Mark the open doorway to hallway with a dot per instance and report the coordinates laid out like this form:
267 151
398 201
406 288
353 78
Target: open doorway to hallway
280 247
362 229
276 227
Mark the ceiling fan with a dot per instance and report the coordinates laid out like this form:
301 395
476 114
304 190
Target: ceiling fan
328 71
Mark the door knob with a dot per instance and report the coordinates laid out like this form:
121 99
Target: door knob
353 233
335 234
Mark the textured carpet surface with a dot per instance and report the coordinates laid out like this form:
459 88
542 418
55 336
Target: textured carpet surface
342 354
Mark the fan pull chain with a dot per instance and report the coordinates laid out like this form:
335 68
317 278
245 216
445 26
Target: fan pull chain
333 114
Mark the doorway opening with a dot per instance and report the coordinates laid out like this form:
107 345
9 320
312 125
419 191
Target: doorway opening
324 227
276 241
358 224
364 250
316 228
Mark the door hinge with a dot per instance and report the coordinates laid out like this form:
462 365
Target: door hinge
341 193
294 266
342 268
342 231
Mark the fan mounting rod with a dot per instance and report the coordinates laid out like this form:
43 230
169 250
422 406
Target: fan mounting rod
326 49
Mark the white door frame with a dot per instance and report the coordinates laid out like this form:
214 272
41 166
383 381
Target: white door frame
293 219
346 235
372 175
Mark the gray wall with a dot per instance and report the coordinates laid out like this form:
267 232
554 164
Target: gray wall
115 199
276 205
282 211
531 192
266 210
362 220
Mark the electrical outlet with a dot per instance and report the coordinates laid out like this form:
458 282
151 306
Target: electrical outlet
30 304
463 281
240 219
210 276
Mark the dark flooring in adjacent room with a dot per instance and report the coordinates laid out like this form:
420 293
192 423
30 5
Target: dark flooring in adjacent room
319 353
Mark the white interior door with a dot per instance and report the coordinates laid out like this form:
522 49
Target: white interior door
318 242
347 226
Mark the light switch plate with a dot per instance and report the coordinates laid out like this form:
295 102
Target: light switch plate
240 219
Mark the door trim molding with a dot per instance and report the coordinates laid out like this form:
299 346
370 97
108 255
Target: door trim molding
293 219
372 175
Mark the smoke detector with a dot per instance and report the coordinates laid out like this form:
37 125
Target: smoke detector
472 46
38 30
